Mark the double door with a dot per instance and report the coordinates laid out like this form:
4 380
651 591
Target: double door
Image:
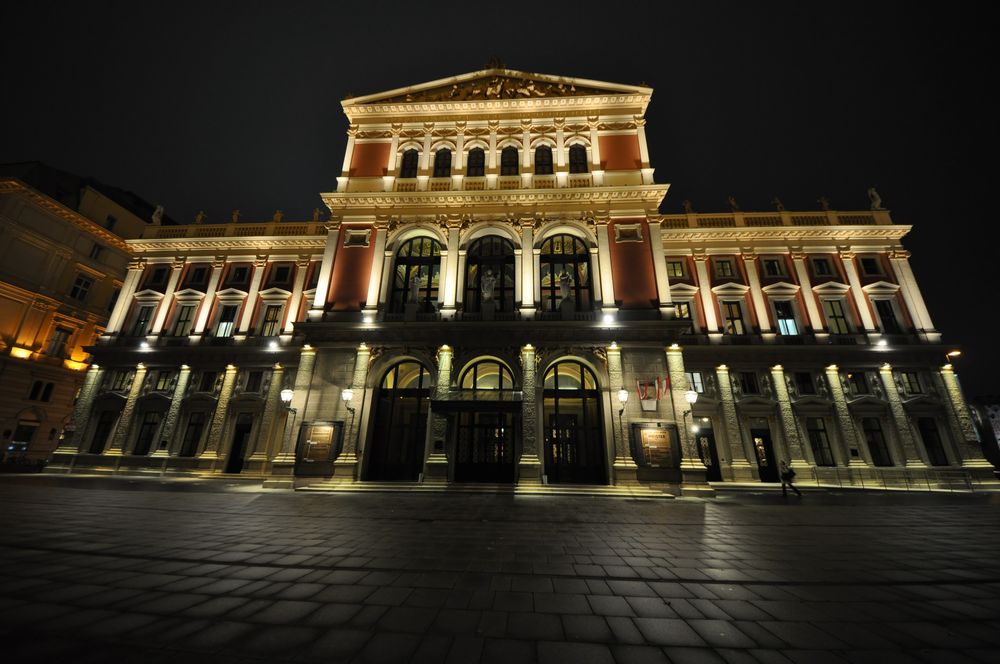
486 445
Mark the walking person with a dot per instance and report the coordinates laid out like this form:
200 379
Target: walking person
787 476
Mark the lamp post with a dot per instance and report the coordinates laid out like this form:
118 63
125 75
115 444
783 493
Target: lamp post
948 357
622 399
691 397
347 395
286 401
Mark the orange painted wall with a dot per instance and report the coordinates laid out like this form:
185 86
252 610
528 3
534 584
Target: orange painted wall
620 152
632 267
369 160
351 269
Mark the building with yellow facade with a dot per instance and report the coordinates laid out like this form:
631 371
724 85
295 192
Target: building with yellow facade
495 298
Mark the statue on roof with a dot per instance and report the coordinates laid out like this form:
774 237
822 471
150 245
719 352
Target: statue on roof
824 203
158 214
688 206
236 216
316 214
278 216
733 205
778 205
200 217
875 199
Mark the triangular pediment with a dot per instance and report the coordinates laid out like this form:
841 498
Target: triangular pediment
781 288
231 293
880 288
831 288
496 84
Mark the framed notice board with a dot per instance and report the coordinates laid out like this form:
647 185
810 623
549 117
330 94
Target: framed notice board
656 445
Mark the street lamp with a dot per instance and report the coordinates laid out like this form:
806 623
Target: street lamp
286 401
347 394
949 356
692 398
622 399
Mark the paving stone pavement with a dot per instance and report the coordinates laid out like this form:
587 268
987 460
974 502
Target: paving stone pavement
120 571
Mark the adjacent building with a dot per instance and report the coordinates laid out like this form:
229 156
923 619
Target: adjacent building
62 261
496 298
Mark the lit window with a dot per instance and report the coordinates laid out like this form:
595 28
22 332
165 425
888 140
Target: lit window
81 286
162 381
120 381
675 268
57 342
417 275
724 268
836 317
227 320
683 310
271 324
732 316
142 318
911 382
774 267
784 313
695 381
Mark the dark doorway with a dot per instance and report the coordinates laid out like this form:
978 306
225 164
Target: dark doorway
147 432
704 440
102 431
932 441
574 444
192 433
397 449
485 446
241 436
763 449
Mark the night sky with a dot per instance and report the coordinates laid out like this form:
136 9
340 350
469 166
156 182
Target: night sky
215 106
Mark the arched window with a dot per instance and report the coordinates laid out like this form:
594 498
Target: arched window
577 159
574 450
490 257
543 160
565 272
487 375
416 275
401 406
476 167
442 163
509 161
408 168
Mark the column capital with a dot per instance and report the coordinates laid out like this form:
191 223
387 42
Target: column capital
137 264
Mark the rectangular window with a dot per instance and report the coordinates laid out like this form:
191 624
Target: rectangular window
120 381
158 277
57 342
822 267
784 313
142 318
819 441
254 380
239 275
695 381
887 315
184 321
870 266
749 383
683 310
197 276
859 383
932 441
162 383
724 268
271 324
732 315
81 286
675 268
804 383
836 317
911 382
192 433
872 429
282 274
95 251
114 299
208 380
773 267
227 320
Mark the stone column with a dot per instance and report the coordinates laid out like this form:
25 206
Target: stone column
450 280
283 462
900 260
845 422
213 444
218 266
741 468
529 466
756 294
560 125
346 465
82 412
173 412
694 481
117 320
375 275
624 467
812 309
527 269
963 429
665 301
177 268
909 452
707 297
292 313
786 415
847 258
352 136
607 282
436 465
273 408
259 268
128 410
325 272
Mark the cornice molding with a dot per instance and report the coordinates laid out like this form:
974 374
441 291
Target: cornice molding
227 245
786 233
649 195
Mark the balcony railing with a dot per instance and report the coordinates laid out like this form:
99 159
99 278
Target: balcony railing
771 219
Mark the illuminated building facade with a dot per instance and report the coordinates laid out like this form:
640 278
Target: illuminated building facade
62 262
496 298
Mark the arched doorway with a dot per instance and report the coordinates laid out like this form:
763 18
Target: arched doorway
486 425
397 449
574 440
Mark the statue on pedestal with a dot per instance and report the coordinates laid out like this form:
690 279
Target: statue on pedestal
487 284
414 295
564 283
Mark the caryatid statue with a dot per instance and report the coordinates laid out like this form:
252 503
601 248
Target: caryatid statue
414 288
564 282
487 284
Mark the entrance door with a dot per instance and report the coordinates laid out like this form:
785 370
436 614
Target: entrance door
102 431
397 449
485 446
147 432
705 442
241 436
932 441
574 442
763 449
